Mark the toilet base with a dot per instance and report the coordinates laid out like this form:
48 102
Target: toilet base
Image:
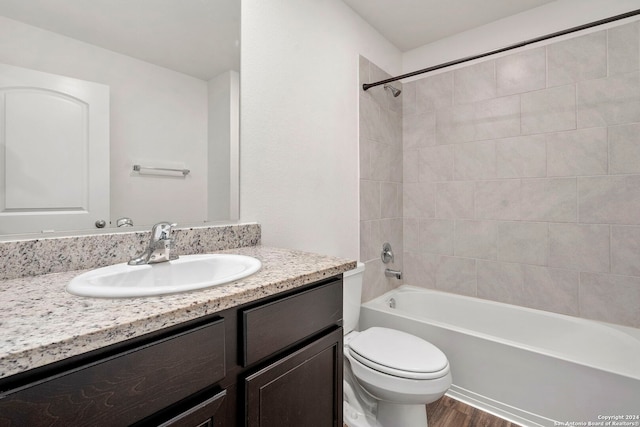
354 418
391 414
357 409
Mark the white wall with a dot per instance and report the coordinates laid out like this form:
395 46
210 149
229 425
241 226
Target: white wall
223 138
157 115
299 128
546 19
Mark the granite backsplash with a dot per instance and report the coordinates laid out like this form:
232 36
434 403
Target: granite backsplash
34 257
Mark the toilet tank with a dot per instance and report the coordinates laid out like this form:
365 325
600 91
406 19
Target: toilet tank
352 297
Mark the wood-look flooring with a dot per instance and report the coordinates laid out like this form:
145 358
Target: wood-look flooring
447 412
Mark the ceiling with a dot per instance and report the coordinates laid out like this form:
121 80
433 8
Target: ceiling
409 24
201 37
195 37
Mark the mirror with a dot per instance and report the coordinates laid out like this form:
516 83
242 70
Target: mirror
172 72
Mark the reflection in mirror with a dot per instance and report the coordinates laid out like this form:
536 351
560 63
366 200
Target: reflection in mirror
171 69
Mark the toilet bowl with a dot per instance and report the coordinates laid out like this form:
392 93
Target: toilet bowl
390 375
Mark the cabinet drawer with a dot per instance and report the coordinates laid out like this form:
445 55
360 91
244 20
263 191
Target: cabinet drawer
272 327
124 387
208 413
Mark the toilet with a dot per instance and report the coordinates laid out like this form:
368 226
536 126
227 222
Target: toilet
389 375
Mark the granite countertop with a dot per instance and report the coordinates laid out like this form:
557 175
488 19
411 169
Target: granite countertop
41 323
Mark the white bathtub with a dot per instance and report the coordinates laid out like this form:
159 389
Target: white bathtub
529 366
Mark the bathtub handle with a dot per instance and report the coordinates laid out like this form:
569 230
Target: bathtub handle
387 254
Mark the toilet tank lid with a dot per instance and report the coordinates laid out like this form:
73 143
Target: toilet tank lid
399 350
359 269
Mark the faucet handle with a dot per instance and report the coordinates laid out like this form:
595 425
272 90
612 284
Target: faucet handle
387 254
162 230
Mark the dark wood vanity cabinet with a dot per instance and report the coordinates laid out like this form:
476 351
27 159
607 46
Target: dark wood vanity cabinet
123 385
198 412
303 388
273 362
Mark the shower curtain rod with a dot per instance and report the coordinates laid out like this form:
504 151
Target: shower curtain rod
366 86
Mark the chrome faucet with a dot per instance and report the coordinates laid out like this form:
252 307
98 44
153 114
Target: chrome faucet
393 273
160 246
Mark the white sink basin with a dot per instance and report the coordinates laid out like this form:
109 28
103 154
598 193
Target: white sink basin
187 273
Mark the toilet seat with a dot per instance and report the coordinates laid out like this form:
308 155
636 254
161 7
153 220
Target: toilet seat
398 354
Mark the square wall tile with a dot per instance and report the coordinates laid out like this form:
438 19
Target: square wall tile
384 159
522 156
420 269
579 247
411 236
418 200
610 298
369 240
390 127
551 289
625 250
408 98
455 124
609 199
518 178
390 200
386 162
365 238
549 110
418 130
434 92
498 199
624 48
500 281
364 153
369 200
577 152
391 230
455 199
523 242
624 149
474 160
476 239
577 59
497 118
457 275
549 199
375 283
369 118
436 163
609 101
436 236
474 82
410 165
522 72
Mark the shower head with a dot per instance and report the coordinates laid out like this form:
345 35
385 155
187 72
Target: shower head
393 90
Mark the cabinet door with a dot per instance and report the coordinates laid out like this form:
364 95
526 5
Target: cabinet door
303 388
209 413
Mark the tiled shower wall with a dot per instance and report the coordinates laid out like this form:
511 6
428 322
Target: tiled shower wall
521 177
380 180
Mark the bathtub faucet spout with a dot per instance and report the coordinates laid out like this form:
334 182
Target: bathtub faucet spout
393 273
